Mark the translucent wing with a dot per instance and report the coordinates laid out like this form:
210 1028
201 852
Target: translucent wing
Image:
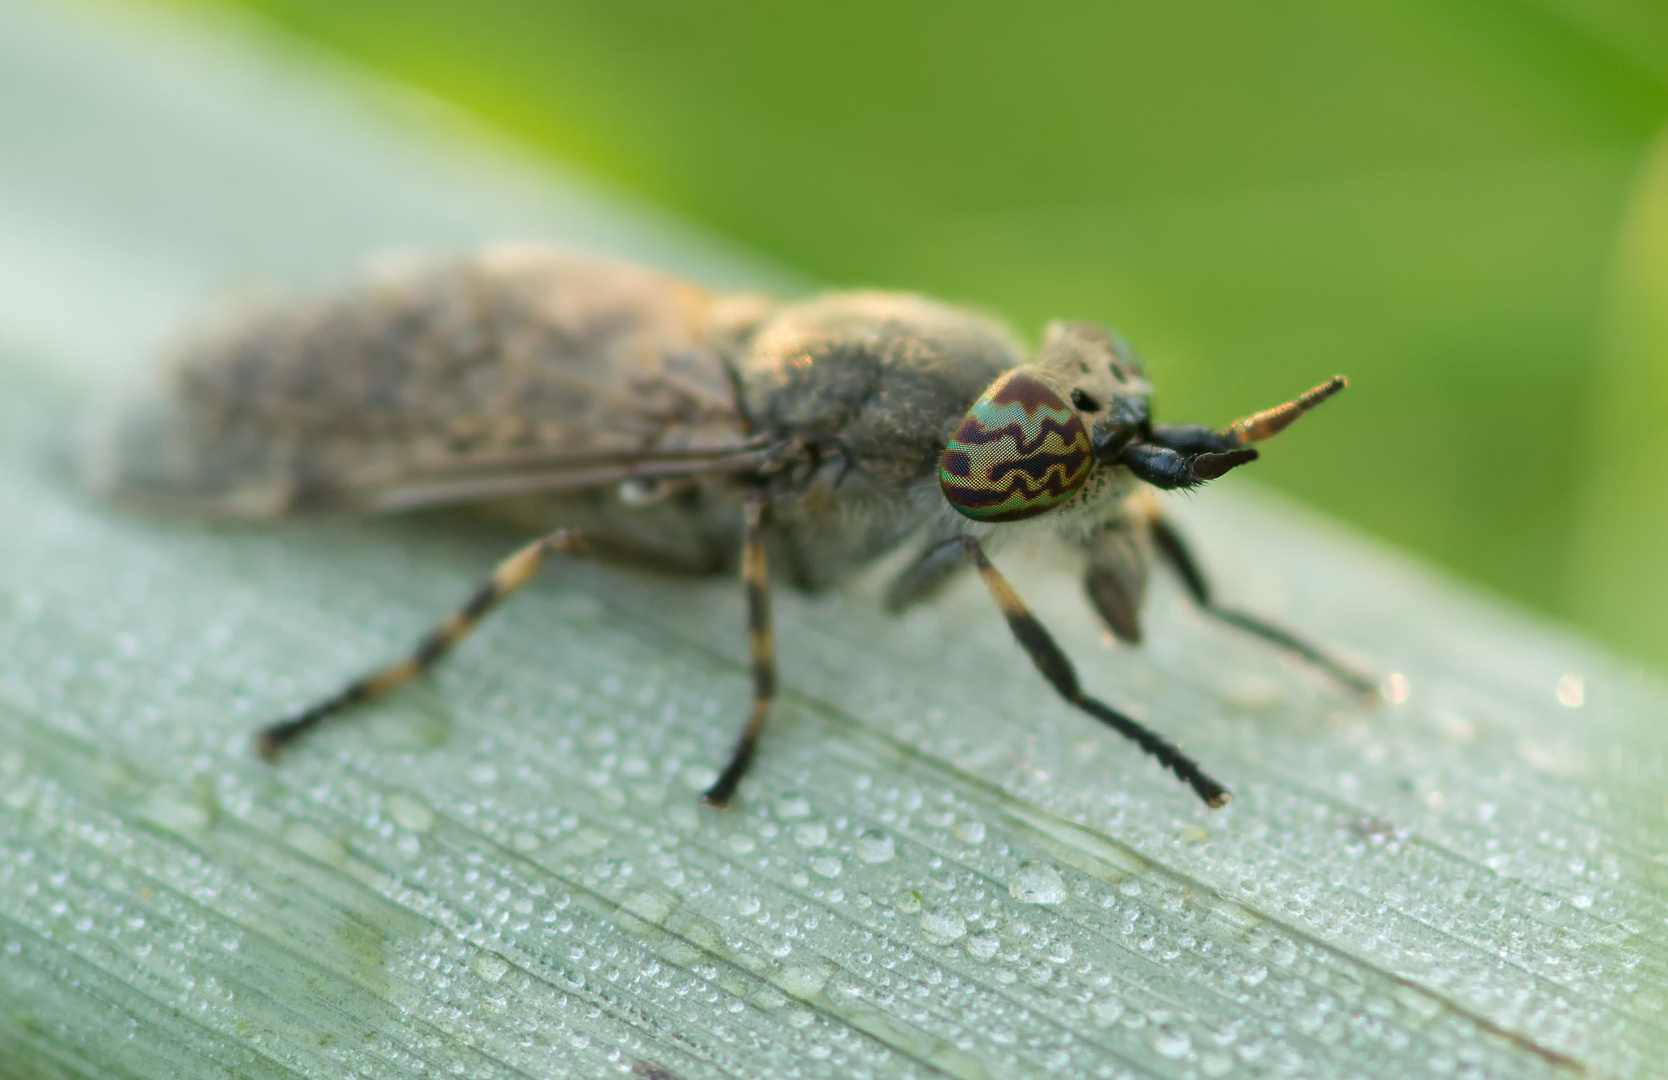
520 370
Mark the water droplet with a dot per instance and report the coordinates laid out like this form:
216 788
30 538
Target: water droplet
971 832
810 834
1571 691
942 927
682 816
875 847
804 980
525 841
20 796
1555 758
308 839
1037 883
179 810
491 968
983 946
1252 693
827 865
1172 1044
792 805
741 843
1107 1012
483 774
1456 727
410 814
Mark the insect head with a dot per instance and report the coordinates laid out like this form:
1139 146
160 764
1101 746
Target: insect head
1031 440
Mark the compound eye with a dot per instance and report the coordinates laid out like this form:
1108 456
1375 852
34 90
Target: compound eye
1018 452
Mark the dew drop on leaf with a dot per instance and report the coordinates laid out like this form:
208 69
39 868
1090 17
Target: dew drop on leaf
1037 883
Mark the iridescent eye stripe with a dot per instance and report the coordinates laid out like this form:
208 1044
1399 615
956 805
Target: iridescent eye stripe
1019 451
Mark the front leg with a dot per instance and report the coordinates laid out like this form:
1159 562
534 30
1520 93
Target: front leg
1058 670
1174 550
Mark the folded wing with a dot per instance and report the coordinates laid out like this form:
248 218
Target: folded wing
516 371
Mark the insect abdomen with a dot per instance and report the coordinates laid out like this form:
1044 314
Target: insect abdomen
511 363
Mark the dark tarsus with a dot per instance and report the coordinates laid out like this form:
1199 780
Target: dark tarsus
1175 552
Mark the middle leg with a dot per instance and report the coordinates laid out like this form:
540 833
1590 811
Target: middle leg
755 579
932 569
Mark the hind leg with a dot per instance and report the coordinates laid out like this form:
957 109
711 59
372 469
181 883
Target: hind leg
507 578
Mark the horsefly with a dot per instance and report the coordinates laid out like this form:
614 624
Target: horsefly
652 418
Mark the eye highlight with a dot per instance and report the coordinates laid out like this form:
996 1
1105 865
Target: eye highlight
1018 452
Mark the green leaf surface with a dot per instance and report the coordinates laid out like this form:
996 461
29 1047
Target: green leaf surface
1622 522
937 868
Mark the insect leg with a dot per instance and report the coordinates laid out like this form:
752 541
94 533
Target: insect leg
755 579
1175 551
1116 577
507 577
1058 670
926 575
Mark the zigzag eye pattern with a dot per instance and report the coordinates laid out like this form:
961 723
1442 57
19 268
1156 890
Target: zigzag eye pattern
1019 451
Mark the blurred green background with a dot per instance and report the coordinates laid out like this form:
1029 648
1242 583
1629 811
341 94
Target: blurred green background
1450 201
